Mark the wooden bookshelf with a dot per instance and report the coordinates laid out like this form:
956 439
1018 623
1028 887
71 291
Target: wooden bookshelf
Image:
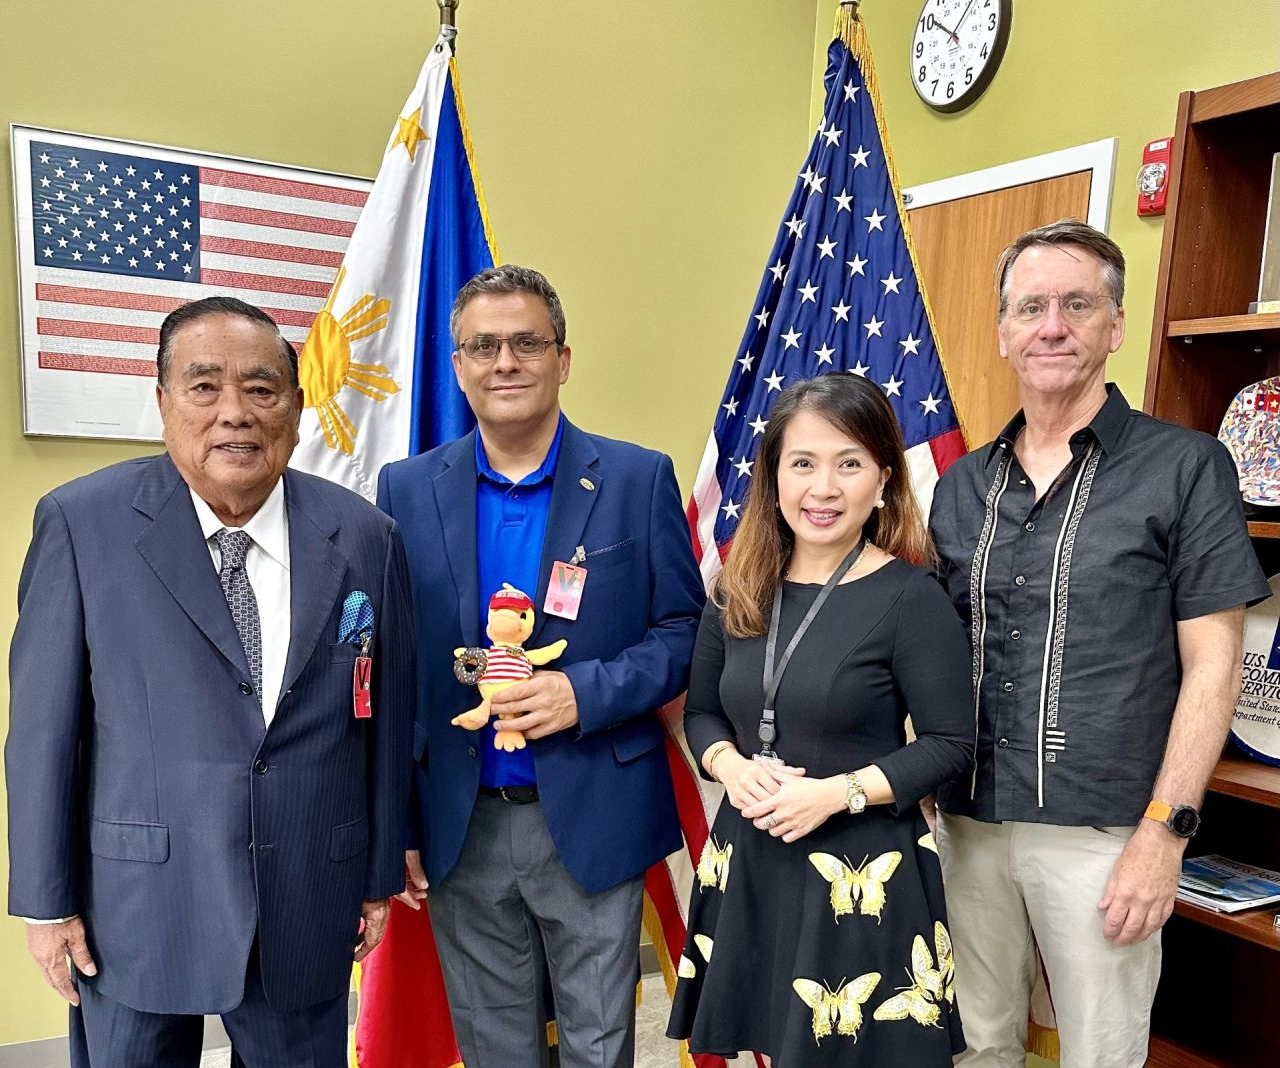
1265 327
1264 530
1253 925
1238 776
1218 996
1165 1054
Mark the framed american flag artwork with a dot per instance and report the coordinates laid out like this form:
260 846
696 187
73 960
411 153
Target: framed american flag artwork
113 235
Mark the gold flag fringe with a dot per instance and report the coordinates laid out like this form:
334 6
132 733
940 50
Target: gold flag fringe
653 925
471 160
1043 1041
853 32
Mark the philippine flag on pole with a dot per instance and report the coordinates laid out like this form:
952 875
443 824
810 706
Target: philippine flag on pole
375 368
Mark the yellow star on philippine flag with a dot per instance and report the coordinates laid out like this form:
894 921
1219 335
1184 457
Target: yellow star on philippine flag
410 133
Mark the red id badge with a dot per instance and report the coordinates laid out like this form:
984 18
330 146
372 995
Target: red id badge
564 591
360 680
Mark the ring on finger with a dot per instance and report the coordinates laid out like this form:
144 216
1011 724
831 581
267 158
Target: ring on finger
770 821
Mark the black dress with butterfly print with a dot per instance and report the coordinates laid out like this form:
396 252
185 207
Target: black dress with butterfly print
832 949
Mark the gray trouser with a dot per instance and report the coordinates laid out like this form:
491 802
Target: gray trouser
509 887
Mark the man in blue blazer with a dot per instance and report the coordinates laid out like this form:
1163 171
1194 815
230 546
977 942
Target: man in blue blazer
197 817
542 848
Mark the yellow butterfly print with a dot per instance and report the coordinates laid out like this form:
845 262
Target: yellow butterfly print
946 961
704 945
713 864
919 1000
927 840
849 883
841 1008
686 969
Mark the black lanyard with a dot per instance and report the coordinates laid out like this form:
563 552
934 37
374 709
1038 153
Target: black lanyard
767 732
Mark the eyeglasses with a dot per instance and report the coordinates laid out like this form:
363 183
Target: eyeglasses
1075 308
488 346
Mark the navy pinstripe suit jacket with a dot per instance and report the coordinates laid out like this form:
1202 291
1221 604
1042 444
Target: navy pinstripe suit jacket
146 794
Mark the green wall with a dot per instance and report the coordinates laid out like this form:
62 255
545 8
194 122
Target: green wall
1073 73
638 154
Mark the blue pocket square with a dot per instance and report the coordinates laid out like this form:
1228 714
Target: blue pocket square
357 618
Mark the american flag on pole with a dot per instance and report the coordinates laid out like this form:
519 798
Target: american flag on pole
114 235
841 293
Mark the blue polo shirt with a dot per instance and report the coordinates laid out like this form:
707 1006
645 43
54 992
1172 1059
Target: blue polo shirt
511 525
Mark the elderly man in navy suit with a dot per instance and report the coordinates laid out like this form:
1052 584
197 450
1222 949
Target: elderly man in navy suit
200 814
542 848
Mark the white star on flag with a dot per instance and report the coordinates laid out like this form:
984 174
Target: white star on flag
774 382
832 136
874 220
808 292
757 425
860 369
860 157
778 270
731 406
746 362
930 405
827 248
873 327
762 317
730 510
911 345
843 201
791 339
744 467
857 265
842 311
796 226
850 91
891 283
824 354
893 387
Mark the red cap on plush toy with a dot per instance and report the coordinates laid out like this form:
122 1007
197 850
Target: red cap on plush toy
510 598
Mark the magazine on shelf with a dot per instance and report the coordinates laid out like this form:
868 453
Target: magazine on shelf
1223 885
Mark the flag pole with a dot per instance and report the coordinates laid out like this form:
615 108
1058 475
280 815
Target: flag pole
449 21
852 8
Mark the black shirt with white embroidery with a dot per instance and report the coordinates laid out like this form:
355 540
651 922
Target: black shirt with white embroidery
1072 603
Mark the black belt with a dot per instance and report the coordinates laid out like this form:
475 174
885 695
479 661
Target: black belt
516 795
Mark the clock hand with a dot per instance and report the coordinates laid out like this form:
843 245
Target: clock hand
950 33
964 16
938 24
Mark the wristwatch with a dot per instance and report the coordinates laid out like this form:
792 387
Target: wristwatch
855 797
1182 820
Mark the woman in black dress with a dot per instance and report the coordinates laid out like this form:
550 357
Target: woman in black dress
817 927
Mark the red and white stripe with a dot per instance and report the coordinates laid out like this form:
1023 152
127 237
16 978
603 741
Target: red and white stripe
274 242
501 665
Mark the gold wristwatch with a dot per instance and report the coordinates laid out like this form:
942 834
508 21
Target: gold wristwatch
855 797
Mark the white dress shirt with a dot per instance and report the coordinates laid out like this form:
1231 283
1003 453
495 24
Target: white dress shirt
267 566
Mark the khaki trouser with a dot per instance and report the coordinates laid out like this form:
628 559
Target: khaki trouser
1014 886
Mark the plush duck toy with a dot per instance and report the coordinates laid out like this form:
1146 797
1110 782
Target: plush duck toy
504 663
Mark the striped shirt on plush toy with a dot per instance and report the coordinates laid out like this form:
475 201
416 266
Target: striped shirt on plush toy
509 664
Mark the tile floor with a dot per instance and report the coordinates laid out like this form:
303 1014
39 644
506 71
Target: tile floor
653 1048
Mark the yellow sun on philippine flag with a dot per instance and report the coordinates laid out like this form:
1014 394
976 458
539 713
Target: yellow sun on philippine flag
325 365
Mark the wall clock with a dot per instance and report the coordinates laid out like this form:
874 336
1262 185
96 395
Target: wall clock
956 48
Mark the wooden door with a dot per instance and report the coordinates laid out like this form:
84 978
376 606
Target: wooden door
957 242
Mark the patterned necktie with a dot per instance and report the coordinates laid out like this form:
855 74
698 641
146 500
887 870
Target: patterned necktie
233 545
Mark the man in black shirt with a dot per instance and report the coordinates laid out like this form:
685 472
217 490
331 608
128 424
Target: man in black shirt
1102 561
